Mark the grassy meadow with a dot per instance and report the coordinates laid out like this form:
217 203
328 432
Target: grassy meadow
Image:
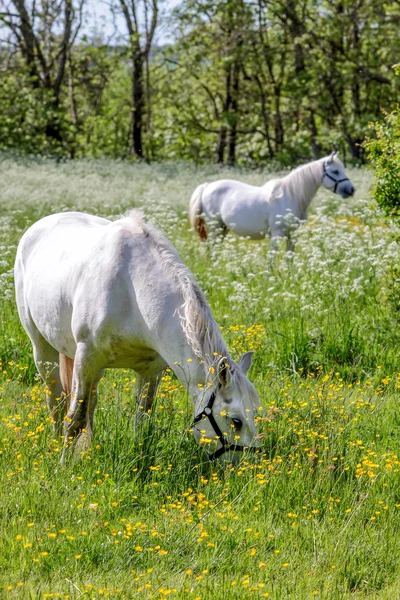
146 515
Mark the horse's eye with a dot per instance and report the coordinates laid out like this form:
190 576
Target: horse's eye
238 424
335 172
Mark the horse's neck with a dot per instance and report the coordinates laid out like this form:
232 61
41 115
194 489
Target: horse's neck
189 368
192 371
303 183
190 341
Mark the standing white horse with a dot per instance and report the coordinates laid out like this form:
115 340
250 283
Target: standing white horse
93 294
274 208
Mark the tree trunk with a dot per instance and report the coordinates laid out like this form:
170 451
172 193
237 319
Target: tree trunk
71 94
354 145
148 96
53 130
355 85
278 119
297 29
265 116
221 144
298 58
27 42
316 149
234 106
136 147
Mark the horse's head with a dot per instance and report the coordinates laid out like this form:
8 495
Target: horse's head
334 176
224 420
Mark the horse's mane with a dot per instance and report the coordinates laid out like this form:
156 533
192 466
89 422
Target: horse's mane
303 182
198 324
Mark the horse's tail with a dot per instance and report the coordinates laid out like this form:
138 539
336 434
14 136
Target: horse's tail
195 212
66 370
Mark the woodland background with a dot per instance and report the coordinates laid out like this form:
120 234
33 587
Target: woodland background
237 82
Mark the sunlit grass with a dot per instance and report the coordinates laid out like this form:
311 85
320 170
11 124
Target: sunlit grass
145 514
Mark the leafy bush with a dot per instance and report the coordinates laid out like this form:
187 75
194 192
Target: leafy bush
383 150
28 116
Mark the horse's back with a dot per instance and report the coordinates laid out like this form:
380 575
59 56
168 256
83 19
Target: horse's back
230 188
55 227
81 277
54 246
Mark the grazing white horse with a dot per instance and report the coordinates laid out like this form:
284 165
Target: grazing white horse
93 294
274 208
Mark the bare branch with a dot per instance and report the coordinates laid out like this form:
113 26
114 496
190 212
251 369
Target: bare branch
65 44
150 34
127 15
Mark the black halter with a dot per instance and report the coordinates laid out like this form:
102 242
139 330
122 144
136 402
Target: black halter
208 413
337 181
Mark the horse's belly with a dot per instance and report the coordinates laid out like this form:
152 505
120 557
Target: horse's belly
255 235
247 221
135 357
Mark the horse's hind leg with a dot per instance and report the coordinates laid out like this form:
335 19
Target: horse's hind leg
86 374
146 389
47 363
66 373
217 230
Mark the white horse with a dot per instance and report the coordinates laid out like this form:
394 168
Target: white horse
93 294
274 208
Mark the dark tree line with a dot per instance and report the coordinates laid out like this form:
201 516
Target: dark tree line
238 81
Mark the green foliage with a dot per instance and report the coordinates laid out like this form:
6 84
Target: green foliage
383 150
102 96
27 113
303 86
237 84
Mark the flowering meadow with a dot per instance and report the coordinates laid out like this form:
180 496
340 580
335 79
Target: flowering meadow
144 514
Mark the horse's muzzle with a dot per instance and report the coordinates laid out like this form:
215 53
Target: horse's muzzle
348 191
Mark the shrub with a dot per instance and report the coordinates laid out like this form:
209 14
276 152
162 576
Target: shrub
383 150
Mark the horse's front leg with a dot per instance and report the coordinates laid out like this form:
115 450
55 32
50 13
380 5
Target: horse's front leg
293 225
79 419
275 242
276 238
290 244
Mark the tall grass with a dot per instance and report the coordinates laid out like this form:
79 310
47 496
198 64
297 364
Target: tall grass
145 514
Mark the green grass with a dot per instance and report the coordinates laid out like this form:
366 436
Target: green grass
146 515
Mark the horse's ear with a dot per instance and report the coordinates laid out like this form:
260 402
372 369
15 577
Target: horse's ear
224 373
245 361
332 156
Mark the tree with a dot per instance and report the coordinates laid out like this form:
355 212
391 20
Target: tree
43 33
238 82
383 150
140 42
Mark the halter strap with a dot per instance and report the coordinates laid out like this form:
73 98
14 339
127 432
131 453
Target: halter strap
336 181
207 412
